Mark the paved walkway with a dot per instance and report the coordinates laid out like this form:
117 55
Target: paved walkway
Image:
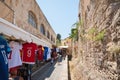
56 71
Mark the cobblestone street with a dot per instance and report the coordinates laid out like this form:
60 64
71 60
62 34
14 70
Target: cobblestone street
56 71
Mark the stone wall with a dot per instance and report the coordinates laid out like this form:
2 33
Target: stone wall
21 10
6 12
99 39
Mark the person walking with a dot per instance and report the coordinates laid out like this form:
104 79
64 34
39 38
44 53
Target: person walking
63 53
52 56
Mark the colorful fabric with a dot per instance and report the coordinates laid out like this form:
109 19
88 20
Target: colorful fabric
49 54
14 57
45 53
40 53
4 50
29 50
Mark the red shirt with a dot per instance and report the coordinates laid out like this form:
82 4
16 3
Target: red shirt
29 53
40 53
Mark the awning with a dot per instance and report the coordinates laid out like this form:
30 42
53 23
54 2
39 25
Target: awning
10 29
63 46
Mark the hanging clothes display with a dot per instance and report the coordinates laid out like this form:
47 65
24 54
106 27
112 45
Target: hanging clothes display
49 54
45 53
4 50
40 53
14 58
29 50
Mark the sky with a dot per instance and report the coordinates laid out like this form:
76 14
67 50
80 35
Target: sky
61 14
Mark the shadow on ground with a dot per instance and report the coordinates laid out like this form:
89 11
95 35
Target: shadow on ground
44 72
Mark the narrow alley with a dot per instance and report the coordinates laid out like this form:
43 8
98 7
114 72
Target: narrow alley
35 34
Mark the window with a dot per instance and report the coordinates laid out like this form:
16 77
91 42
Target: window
48 34
42 29
51 38
32 19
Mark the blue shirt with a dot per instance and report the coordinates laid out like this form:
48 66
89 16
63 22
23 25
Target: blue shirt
45 53
4 50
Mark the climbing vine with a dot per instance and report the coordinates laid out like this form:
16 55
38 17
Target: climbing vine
94 35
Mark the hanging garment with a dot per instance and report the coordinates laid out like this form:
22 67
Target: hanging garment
4 50
40 53
45 53
14 57
49 54
29 50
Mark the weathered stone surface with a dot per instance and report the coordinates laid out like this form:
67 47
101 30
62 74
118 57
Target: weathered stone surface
97 63
16 12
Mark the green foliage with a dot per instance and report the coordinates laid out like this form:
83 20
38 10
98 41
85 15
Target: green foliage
78 24
92 31
74 33
94 35
59 37
100 36
90 34
58 40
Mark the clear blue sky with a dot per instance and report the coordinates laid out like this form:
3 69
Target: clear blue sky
61 14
